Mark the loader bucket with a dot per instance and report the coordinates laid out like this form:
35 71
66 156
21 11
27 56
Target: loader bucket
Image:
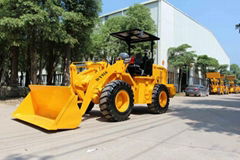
50 107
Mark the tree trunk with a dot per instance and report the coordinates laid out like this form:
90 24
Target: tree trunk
50 67
40 70
180 81
42 51
3 80
2 60
28 68
34 66
14 52
66 64
188 76
34 62
21 79
27 81
54 77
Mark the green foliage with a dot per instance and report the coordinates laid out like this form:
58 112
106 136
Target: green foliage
235 69
207 64
223 69
238 27
43 30
180 57
137 16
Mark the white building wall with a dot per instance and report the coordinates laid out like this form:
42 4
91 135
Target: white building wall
154 7
177 29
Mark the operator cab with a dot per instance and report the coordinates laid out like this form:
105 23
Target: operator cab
138 65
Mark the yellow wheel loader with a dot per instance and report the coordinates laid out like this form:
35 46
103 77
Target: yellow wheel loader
223 86
232 86
215 83
115 87
237 89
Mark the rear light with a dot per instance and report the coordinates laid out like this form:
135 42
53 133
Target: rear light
132 61
196 89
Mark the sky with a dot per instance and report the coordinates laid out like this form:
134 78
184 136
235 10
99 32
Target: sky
220 17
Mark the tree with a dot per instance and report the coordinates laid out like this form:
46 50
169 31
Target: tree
238 27
110 46
235 69
223 69
137 16
4 58
207 64
182 59
44 34
11 27
79 18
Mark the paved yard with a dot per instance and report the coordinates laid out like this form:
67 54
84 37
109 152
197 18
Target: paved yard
195 128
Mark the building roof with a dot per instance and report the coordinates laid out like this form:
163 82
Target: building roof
123 9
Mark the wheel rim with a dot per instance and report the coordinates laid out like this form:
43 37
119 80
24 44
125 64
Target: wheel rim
163 99
122 101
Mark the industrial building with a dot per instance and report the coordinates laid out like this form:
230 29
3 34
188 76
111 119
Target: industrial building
176 28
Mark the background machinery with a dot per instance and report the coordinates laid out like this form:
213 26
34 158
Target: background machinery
223 85
232 87
214 83
115 87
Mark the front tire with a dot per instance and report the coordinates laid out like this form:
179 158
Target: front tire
116 101
160 99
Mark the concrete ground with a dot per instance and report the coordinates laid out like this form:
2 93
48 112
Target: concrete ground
194 128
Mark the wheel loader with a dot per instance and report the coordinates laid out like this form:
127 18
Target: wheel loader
215 84
237 89
223 85
115 87
231 80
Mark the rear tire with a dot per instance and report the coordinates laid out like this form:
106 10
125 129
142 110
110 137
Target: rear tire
157 106
116 101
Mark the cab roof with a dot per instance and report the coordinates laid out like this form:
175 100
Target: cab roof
134 36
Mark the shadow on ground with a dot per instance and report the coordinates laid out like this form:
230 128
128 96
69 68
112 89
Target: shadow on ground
226 102
42 129
27 157
137 110
206 116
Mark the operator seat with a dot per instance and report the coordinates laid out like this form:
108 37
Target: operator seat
135 69
148 67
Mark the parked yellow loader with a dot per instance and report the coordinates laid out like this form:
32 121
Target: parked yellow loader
214 83
115 87
237 89
223 85
232 86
